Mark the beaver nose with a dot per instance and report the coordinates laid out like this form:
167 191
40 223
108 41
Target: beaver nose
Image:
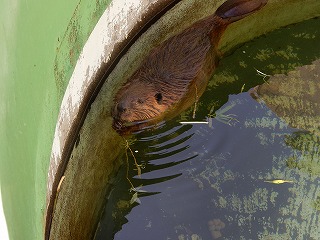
121 108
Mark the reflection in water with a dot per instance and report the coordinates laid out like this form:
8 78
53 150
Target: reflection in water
309 160
295 97
255 177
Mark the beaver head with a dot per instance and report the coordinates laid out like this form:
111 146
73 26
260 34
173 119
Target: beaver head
138 102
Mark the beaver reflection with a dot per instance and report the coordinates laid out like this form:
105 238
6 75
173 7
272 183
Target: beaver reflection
175 74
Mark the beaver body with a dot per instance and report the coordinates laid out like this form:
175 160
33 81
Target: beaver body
175 74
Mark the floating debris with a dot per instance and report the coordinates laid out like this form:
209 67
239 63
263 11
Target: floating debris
196 122
137 189
215 226
135 198
242 88
278 181
262 74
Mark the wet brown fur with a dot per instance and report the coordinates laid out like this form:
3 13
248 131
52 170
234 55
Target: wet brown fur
175 73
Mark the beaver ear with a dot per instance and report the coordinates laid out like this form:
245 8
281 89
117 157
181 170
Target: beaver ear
158 98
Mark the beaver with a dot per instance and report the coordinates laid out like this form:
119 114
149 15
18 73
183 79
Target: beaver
175 74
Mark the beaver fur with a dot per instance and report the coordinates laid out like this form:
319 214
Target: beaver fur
175 74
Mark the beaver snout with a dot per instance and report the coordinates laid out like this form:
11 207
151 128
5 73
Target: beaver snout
120 108
117 113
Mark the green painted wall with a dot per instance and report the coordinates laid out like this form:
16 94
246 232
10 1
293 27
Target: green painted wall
39 44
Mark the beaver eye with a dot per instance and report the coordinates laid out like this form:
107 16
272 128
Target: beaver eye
158 97
140 100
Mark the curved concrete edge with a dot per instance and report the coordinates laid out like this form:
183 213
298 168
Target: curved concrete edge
118 25
93 68
276 14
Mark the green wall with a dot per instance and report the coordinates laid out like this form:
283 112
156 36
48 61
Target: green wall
39 45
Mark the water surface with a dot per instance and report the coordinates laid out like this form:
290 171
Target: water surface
245 174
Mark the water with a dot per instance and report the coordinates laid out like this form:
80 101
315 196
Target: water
219 180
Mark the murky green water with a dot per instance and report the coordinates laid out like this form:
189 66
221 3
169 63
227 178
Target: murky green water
249 173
